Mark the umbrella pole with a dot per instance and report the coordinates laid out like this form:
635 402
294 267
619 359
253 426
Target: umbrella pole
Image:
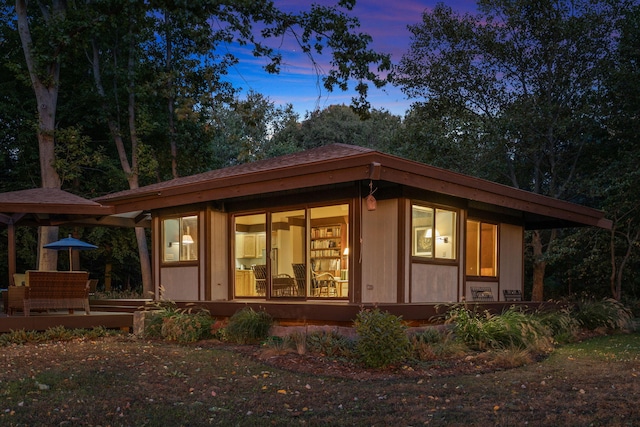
70 260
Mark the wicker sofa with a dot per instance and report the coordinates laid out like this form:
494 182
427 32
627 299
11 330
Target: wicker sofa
50 290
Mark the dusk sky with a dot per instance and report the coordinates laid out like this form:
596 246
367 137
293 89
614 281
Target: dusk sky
385 20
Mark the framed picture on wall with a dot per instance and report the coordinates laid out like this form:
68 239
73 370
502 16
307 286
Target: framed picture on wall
422 245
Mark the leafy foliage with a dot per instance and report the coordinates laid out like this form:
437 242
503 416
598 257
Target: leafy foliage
605 313
563 326
382 338
510 329
169 322
431 345
248 326
330 344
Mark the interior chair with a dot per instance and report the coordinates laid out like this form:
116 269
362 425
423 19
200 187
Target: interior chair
283 285
260 273
481 293
324 283
300 274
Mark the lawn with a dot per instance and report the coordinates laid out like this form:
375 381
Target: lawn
124 381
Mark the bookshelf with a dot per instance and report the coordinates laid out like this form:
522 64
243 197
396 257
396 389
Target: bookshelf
327 244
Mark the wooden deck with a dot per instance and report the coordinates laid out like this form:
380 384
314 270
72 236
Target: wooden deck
111 314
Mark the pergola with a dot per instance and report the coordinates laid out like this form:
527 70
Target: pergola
55 207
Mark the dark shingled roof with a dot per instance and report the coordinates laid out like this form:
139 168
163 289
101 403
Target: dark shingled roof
327 153
49 201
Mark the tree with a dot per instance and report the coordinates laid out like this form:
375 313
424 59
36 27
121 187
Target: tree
340 124
43 58
619 178
527 75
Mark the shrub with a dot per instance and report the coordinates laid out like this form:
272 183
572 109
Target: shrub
562 325
606 313
185 326
172 323
511 329
248 326
432 344
330 344
382 338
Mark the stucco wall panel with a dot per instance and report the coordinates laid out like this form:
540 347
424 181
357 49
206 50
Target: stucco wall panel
434 283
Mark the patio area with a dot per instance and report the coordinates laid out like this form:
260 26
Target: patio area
110 314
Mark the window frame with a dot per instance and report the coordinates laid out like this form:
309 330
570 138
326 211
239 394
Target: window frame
478 261
433 258
191 247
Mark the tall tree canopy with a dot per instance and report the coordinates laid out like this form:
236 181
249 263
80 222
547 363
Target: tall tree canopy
522 82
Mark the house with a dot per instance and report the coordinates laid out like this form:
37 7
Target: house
313 236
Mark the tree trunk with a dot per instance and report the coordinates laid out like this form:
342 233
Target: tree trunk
539 266
130 169
46 91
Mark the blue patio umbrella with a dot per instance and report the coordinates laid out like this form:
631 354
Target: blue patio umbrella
70 244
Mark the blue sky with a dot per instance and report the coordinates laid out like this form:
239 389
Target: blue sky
385 20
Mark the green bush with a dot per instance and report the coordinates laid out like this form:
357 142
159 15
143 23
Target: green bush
511 329
171 323
248 326
606 313
432 344
562 325
435 345
330 344
382 338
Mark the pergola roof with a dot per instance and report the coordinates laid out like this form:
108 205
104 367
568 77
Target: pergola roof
52 206
340 163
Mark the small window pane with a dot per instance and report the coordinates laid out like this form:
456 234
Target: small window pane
180 239
482 249
488 250
422 231
445 234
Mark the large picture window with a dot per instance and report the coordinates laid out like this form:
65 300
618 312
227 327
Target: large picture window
433 232
298 253
180 239
482 249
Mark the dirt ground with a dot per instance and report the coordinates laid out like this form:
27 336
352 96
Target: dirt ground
124 381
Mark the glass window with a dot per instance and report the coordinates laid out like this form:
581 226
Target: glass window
180 239
482 249
433 232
